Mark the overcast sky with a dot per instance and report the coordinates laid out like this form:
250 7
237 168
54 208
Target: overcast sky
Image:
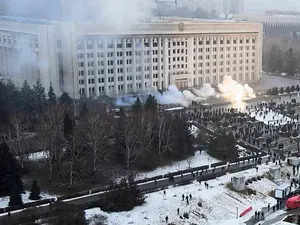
262 5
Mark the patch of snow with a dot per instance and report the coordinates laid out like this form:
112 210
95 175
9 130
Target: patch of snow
37 155
194 130
263 186
271 117
199 159
25 197
219 204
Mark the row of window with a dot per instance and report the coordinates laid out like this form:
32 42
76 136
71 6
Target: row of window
213 79
175 59
112 79
221 49
120 87
221 63
221 42
221 70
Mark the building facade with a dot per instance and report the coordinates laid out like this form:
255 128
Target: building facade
214 6
95 60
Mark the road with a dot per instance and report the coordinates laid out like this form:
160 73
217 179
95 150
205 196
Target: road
147 187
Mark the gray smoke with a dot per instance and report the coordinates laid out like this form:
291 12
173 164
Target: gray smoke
205 91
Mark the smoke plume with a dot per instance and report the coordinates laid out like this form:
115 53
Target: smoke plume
172 96
205 91
235 91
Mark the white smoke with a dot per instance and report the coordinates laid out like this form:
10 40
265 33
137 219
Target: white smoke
172 96
191 97
118 14
205 91
235 91
125 101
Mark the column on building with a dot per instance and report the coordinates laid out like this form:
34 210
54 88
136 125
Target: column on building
218 60
160 74
232 45
106 88
190 60
142 58
196 75
85 64
151 63
125 74
259 52
116 83
166 77
70 66
206 78
96 68
134 81
47 53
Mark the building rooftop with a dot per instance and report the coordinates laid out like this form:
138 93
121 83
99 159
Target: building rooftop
24 20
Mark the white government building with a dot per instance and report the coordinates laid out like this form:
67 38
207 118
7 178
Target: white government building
95 60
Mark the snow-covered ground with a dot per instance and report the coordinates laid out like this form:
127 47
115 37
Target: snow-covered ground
25 197
37 155
219 204
199 159
243 152
194 130
270 118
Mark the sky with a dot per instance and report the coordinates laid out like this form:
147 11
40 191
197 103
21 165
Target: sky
262 5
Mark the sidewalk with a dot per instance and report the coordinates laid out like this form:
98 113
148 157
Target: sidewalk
253 220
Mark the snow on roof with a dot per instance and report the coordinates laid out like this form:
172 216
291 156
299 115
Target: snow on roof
176 108
283 186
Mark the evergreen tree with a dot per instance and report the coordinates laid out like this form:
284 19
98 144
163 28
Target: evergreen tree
15 197
297 87
35 191
65 99
137 106
51 96
83 111
4 109
292 88
68 126
223 146
150 104
182 145
27 98
281 91
290 63
275 59
40 96
275 91
288 90
10 171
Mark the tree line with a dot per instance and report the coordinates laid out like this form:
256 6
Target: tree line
282 90
281 55
92 144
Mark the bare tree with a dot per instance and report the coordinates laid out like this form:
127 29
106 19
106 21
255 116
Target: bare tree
74 159
18 126
50 136
95 131
130 140
165 134
144 132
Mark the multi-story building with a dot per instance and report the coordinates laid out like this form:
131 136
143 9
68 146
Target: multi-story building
232 6
95 59
214 6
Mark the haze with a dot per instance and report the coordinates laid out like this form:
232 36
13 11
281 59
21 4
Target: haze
262 5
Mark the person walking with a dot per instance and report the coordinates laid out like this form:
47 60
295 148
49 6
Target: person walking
268 207
178 211
167 219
